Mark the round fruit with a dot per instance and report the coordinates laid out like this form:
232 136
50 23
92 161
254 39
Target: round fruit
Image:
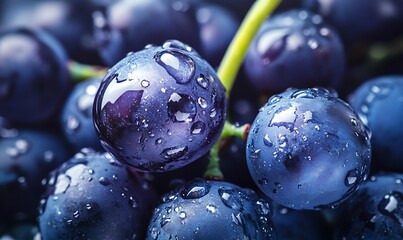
307 149
211 210
160 108
93 196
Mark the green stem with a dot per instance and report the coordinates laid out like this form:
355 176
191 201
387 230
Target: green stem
236 51
80 72
230 130
379 53
228 70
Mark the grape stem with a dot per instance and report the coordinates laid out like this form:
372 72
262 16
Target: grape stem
230 130
379 53
81 72
234 56
228 70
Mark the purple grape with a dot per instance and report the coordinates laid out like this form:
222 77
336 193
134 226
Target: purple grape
160 108
378 101
297 49
212 210
76 117
375 211
93 196
307 149
33 76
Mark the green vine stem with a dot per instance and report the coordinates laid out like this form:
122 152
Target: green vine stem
230 130
81 72
228 70
236 51
379 53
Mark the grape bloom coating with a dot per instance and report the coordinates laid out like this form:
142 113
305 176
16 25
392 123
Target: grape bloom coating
160 108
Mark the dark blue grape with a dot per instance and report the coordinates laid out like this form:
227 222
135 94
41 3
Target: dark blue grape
379 103
293 224
128 25
76 117
21 231
375 211
295 49
33 76
160 108
70 22
361 21
307 149
93 196
217 27
26 158
212 210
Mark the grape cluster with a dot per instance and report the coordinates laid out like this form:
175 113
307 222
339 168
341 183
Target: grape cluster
121 119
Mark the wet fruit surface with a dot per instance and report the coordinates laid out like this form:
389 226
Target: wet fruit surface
160 108
295 48
203 209
376 97
307 149
376 210
89 192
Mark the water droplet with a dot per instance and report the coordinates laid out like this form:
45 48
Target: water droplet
133 202
62 183
72 123
317 19
211 208
255 154
165 221
351 178
182 215
76 214
176 44
181 108
198 127
90 171
145 83
302 94
284 118
158 141
274 99
262 207
202 102
389 206
325 32
195 189
231 198
174 152
213 112
104 181
237 219
203 81
267 141
178 65
312 43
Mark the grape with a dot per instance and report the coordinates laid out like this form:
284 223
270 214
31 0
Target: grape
93 196
70 22
203 209
26 157
295 48
217 27
32 66
76 116
307 149
160 108
382 96
361 21
117 30
375 211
